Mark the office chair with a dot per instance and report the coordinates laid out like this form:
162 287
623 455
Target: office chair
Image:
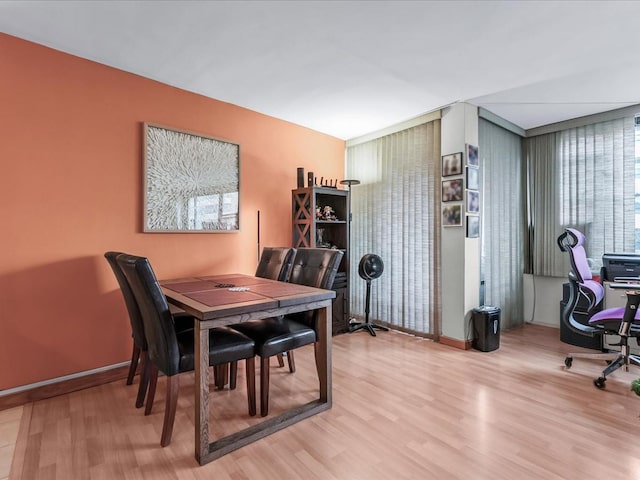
313 267
173 352
622 321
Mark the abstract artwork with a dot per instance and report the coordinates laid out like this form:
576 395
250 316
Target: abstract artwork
191 182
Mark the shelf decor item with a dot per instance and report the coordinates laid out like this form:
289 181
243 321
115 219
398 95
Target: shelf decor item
452 164
191 182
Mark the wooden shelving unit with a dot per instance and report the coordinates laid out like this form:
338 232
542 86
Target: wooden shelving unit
314 231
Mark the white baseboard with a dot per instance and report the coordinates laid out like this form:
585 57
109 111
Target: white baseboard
52 381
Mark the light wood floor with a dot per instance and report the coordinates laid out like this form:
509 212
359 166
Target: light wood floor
404 408
9 424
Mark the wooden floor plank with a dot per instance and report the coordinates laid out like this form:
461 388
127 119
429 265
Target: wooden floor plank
9 428
403 408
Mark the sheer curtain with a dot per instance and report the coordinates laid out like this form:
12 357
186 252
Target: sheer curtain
502 224
395 214
581 177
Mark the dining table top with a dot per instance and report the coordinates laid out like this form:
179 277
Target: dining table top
215 296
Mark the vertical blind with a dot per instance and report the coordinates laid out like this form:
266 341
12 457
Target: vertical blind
583 178
395 215
502 223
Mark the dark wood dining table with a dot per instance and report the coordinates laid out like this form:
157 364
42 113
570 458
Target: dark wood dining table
226 299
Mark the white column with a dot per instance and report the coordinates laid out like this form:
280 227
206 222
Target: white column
460 255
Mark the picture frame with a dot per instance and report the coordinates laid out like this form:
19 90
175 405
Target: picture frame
473 226
191 182
452 190
452 164
452 215
473 201
473 178
472 155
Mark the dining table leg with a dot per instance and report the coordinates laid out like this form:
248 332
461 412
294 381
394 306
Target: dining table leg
201 392
323 354
206 452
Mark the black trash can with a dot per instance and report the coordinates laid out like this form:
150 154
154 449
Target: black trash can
486 328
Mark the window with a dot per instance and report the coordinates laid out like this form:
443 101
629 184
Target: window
580 178
637 175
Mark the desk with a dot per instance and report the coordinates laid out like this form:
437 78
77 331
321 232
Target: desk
214 305
614 298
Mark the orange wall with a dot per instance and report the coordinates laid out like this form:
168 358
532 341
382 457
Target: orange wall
70 189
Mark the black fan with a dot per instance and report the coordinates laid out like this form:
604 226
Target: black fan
370 268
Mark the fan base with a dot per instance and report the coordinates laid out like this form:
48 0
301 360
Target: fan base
354 327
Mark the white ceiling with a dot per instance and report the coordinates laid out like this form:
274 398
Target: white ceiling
348 68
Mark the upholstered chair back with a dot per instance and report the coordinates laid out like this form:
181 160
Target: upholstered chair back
275 263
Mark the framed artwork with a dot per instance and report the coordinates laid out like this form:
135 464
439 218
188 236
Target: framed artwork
452 164
473 226
472 155
191 182
452 190
473 178
473 201
452 215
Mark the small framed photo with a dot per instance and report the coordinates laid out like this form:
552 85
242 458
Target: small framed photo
452 190
452 164
473 226
452 215
472 155
473 178
473 201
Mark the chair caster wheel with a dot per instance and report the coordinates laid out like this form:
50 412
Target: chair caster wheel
600 382
568 361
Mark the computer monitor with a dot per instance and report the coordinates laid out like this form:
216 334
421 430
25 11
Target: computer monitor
620 265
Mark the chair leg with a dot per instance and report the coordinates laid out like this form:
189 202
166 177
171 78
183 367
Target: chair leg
250 367
280 360
292 362
316 348
233 374
145 366
264 386
220 373
135 357
173 388
153 381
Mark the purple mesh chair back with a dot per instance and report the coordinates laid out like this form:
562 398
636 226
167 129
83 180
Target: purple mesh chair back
572 242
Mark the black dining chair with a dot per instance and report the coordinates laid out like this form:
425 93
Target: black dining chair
314 267
182 322
172 352
275 263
